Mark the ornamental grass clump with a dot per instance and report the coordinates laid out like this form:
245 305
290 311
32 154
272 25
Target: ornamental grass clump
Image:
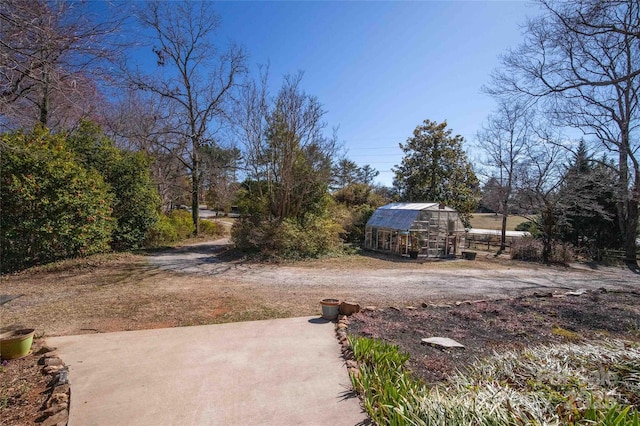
569 384
387 388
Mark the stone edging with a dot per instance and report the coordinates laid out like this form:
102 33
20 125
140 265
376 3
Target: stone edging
55 411
345 346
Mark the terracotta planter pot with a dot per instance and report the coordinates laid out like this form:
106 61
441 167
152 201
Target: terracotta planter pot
330 308
16 344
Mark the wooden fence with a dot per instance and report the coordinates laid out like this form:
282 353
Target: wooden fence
484 242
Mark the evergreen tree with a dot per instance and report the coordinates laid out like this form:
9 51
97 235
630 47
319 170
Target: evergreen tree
589 201
435 169
344 173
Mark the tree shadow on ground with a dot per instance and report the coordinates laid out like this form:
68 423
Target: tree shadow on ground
634 267
395 258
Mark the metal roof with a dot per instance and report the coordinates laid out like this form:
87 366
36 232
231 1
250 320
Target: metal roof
393 219
401 215
416 206
480 231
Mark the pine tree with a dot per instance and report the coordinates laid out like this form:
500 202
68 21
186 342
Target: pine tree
588 197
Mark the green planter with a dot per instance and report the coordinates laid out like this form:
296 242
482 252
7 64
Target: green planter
16 344
469 255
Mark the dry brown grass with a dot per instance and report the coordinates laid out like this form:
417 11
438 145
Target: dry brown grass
117 292
493 221
109 293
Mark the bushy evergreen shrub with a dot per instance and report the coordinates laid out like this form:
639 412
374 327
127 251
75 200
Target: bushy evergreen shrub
51 207
135 199
171 228
529 227
288 239
162 233
210 228
183 223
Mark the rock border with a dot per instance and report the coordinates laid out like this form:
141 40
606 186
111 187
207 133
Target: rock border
345 346
55 411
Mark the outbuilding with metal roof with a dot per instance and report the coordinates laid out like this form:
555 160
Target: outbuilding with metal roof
414 229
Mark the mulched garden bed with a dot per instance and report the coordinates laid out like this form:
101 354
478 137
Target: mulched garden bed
23 389
487 327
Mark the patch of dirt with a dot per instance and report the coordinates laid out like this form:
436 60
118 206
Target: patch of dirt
487 327
23 389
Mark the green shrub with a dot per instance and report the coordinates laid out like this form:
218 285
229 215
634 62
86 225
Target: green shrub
288 239
162 233
529 227
52 208
171 228
387 388
208 227
182 222
135 198
361 215
353 220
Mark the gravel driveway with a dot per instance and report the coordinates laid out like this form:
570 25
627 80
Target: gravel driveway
409 282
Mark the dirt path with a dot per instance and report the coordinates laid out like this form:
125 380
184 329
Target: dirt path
400 281
198 258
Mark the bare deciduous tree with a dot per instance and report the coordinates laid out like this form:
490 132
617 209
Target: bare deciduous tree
538 182
505 140
581 58
195 79
141 123
286 153
220 168
51 57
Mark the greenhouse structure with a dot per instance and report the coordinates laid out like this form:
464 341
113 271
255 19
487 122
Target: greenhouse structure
413 229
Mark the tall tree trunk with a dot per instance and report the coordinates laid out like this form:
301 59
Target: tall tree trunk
505 210
630 246
195 191
627 205
548 225
44 104
503 232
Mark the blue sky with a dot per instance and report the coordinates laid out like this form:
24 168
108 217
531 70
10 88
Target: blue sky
381 68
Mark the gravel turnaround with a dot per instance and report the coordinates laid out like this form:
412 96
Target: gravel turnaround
410 282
